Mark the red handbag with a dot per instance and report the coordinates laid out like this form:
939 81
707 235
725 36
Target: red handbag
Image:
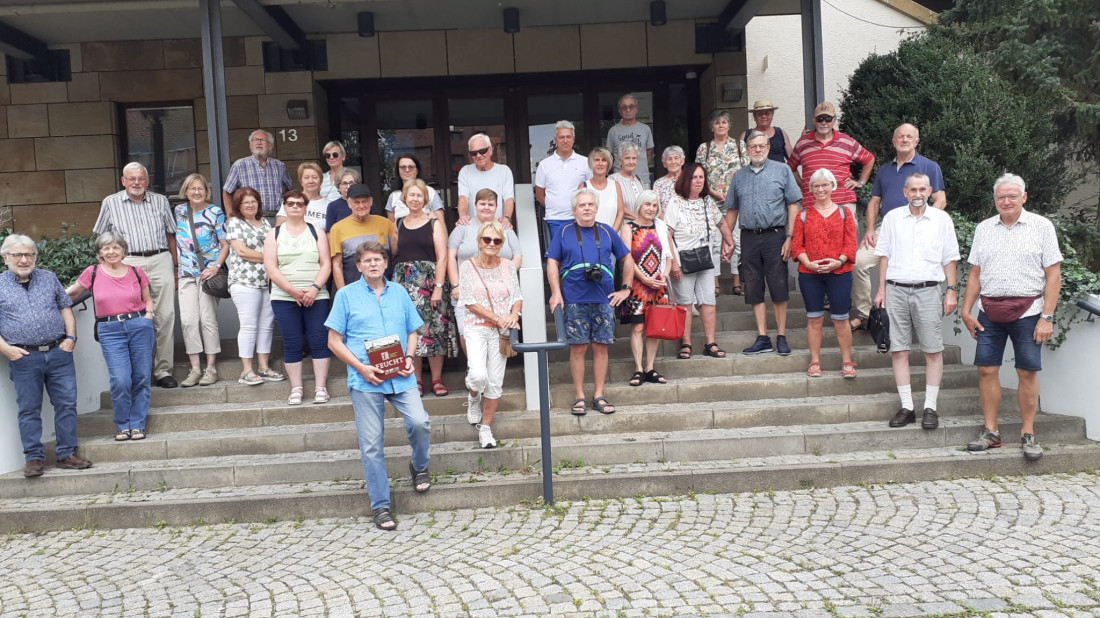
665 322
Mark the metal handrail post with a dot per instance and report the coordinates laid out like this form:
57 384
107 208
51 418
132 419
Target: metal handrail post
541 349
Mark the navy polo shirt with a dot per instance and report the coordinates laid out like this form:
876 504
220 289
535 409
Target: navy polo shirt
890 181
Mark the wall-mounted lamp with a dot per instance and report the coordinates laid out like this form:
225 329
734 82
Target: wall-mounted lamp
731 93
297 109
511 20
657 16
366 24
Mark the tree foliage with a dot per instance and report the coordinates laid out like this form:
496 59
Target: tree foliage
1046 48
972 122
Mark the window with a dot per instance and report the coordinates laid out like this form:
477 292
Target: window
163 140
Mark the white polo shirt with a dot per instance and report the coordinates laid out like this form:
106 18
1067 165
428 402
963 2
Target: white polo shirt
560 178
917 247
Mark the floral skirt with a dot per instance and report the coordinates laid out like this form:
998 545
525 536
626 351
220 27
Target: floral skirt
438 333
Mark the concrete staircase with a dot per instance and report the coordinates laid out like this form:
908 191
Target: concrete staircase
233 452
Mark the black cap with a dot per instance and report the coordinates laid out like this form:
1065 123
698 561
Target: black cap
358 190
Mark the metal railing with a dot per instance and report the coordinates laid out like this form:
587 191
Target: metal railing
541 350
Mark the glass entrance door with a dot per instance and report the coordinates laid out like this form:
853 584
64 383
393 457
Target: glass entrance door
467 117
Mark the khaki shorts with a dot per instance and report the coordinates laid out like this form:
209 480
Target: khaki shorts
915 309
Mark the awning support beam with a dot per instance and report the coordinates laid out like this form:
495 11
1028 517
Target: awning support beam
20 45
213 81
813 67
275 22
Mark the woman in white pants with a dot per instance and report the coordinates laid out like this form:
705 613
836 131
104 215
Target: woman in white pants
248 284
489 290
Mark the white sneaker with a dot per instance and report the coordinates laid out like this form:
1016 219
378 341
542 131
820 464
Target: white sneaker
473 408
485 436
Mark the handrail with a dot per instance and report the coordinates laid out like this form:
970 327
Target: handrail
541 350
1091 307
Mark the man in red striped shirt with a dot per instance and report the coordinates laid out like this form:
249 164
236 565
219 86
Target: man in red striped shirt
826 148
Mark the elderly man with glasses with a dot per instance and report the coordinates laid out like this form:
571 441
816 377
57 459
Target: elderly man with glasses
260 171
484 174
37 335
145 220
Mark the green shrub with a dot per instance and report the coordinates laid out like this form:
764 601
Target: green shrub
65 256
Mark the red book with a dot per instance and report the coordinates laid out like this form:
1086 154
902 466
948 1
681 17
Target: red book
385 355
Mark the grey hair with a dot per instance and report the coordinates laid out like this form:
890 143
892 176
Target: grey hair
347 171
134 165
920 176
333 144
910 124
477 136
564 124
627 147
822 174
267 134
18 240
673 150
717 115
585 191
645 197
756 134
111 237
1010 179
629 95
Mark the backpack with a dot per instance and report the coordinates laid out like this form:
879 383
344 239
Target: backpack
843 214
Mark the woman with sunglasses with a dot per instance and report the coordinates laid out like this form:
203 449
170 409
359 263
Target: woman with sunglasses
296 258
463 245
407 167
421 267
334 155
491 296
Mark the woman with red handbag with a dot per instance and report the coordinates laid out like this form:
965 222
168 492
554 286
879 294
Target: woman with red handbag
650 245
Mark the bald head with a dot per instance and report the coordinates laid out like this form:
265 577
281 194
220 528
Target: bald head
906 138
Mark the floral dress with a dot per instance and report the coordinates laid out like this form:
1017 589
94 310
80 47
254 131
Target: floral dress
722 162
415 271
647 248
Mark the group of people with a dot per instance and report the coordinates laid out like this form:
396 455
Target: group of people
340 281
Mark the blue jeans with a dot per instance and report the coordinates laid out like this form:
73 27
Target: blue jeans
815 286
369 409
128 349
300 325
991 343
54 370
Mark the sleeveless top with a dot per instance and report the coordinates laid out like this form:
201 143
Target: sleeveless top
609 201
777 145
298 260
416 244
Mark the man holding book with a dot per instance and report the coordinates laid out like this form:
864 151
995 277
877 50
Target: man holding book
366 341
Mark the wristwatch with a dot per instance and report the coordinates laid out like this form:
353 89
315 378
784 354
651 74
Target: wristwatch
319 288
73 337
438 285
625 287
1047 317
953 288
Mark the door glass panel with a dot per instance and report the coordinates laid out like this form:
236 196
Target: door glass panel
163 140
349 132
468 117
404 127
543 110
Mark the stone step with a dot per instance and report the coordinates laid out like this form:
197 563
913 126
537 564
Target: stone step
728 321
221 419
135 504
312 435
794 384
525 454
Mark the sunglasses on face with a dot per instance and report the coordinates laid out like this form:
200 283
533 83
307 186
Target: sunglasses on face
479 152
332 155
824 118
492 241
406 168
295 204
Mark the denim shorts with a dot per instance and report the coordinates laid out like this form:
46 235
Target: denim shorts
589 323
992 340
816 286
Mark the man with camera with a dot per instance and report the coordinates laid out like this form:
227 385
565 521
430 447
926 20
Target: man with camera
580 265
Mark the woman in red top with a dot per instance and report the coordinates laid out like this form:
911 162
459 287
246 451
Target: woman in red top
824 244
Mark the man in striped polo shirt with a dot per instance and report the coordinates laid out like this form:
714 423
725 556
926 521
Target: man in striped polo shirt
827 148
145 219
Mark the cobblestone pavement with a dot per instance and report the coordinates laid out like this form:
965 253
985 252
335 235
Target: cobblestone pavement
990 547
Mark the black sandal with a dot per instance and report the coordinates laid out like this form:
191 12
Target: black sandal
602 408
682 355
653 377
737 291
636 379
383 520
123 435
712 350
580 407
420 478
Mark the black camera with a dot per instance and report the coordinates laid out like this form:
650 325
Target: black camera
593 273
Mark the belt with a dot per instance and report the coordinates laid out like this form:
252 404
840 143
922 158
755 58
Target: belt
45 347
148 253
122 317
765 230
915 286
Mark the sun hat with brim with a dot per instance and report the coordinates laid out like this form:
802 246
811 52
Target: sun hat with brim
763 105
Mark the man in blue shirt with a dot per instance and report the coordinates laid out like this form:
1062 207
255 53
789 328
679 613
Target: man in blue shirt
368 309
887 194
37 335
580 266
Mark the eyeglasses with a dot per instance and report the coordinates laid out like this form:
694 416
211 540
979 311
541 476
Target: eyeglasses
489 240
295 204
260 139
628 107
136 179
406 168
332 155
347 183
21 256
479 152
824 118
